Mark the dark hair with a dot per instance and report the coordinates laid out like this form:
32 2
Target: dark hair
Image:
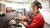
38 4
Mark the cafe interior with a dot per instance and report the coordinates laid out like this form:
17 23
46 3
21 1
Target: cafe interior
17 7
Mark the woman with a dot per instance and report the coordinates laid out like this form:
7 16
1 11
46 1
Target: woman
37 20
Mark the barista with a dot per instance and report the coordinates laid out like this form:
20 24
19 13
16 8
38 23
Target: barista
37 18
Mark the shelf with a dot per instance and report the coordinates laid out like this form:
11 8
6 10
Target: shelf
18 1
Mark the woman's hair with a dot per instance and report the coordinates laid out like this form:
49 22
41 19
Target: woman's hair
38 4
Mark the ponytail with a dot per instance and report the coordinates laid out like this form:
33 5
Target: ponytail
38 4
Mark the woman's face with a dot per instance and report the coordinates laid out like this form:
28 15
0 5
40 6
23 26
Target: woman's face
33 7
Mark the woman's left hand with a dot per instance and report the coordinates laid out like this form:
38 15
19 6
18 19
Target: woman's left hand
21 17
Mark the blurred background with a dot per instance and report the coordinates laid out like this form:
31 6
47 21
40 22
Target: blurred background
25 4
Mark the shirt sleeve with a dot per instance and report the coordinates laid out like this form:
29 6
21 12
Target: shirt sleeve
37 20
34 23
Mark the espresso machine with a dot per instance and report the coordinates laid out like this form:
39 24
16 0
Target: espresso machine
16 22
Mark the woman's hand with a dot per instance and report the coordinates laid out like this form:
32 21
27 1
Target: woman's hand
20 17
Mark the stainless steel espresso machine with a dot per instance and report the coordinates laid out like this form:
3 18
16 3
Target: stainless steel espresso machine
16 23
